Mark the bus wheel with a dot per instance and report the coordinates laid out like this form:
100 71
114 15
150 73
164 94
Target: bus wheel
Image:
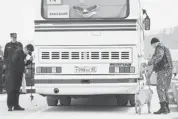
51 101
65 101
122 101
132 103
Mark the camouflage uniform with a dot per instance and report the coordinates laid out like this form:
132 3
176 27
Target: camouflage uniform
162 65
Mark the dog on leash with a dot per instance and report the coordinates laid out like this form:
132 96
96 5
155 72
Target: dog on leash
143 96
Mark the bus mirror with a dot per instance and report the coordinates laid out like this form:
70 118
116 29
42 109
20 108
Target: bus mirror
147 23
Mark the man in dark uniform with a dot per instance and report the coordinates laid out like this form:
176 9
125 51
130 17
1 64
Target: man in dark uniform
10 47
15 69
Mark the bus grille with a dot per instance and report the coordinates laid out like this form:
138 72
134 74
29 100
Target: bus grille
45 55
85 55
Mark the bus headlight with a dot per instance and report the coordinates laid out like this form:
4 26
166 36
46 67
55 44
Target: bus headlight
132 69
38 70
48 70
53 69
122 69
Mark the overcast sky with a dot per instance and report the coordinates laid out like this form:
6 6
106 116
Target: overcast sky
17 16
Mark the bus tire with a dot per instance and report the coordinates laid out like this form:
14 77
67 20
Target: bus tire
132 100
65 101
51 101
122 101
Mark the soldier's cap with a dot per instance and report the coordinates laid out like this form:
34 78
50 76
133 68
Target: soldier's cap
13 34
154 40
30 47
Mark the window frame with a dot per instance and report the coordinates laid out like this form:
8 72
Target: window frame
84 19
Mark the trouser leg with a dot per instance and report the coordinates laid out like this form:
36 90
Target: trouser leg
163 83
17 106
17 91
17 98
168 82
10 99
161 94
161 87
168 79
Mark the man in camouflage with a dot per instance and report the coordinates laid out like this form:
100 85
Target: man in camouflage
162 65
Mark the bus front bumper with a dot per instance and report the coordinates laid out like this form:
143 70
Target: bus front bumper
86 89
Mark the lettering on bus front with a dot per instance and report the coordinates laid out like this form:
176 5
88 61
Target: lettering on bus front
85 69
58 13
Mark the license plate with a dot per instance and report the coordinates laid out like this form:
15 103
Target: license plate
85 69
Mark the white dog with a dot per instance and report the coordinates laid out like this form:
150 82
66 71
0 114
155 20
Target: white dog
143 96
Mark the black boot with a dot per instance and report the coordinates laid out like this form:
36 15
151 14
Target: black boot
9 108
167 105
18 108
163 109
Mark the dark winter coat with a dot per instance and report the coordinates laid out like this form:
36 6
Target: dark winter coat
16 66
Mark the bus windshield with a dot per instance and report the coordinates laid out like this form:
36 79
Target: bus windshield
80 9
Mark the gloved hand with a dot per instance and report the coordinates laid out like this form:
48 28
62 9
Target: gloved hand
31 58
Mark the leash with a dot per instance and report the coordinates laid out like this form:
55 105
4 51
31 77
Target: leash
31 96
149 86
147 78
